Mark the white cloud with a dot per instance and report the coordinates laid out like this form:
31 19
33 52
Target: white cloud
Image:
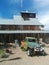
43 12
41 3
46 27
44 19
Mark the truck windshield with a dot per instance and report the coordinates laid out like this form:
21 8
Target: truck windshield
31 40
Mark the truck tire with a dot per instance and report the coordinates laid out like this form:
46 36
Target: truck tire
29 52
43 53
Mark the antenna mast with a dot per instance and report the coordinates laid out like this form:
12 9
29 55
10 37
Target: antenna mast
21 3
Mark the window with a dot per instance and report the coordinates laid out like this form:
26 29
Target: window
31 40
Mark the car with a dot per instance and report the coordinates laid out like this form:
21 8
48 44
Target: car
32 46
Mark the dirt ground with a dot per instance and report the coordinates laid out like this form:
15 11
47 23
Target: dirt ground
20 58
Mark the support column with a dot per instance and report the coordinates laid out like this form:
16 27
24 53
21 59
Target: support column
38 37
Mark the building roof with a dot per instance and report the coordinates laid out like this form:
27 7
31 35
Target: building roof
18 20
22 31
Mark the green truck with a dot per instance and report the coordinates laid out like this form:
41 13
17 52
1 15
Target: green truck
32 46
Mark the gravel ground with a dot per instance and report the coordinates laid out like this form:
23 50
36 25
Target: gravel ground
20 58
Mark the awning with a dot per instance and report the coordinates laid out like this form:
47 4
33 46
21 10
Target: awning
21 31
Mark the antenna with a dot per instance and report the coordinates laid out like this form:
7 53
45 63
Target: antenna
21 3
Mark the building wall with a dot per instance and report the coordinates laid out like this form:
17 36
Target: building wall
11 37
19 27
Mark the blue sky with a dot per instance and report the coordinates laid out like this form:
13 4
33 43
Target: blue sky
8 8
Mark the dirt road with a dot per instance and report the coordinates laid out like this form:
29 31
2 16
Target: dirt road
20 58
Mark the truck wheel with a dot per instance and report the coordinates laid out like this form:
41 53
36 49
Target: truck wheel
43 53
29 52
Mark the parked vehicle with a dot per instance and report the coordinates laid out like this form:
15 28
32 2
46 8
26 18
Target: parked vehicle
32 46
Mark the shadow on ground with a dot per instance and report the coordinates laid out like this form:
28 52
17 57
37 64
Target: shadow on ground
15 58
18 58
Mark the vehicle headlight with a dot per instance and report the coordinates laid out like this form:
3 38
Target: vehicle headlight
42 49
35 48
